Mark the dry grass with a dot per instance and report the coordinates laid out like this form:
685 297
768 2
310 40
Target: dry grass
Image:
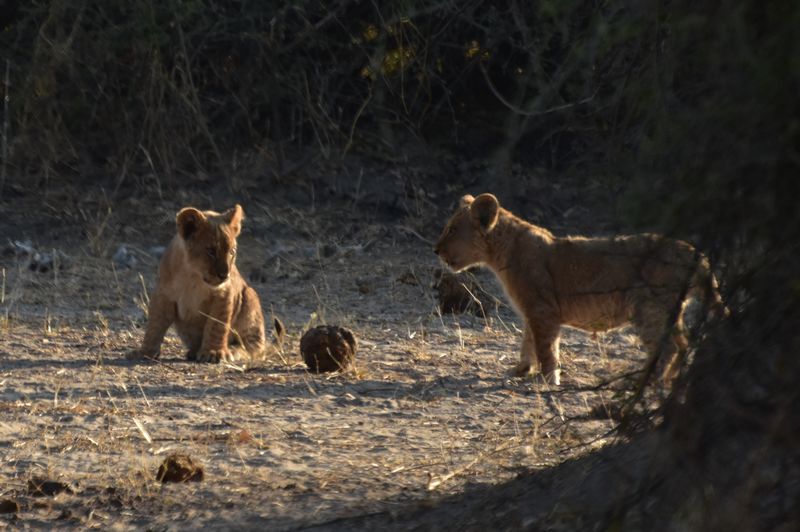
427 410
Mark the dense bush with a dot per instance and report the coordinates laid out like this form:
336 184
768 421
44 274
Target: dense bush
718 159
178 86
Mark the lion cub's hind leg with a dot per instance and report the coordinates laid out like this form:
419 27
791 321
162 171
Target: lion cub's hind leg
540 343
660 338
546 340
248 324
680 339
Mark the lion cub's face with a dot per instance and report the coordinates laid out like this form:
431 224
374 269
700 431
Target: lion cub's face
463 240
210 240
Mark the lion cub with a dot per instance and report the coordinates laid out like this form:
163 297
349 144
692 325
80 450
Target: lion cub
202 293
593 284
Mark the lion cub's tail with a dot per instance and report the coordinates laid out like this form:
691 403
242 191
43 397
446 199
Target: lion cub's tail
275 347
706 288
278 333
259 349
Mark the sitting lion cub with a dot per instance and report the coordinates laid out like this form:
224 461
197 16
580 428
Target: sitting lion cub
201 291
593 284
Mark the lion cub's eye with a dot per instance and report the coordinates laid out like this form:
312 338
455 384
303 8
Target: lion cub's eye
211 252
451 231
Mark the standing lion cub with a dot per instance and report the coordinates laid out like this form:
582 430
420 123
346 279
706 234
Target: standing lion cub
593 284
202 293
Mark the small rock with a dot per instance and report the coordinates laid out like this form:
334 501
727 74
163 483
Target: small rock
179 467
241 437
350 400
37 261
42 487
606 411
9 506
17 248
45 262
328 348
124 258
157 251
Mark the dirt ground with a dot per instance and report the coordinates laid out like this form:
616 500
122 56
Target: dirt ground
428 413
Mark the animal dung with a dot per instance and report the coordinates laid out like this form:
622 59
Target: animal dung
9 506
44 487
328 348
457 293
179 467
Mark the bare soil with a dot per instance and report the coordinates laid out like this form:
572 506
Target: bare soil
427 414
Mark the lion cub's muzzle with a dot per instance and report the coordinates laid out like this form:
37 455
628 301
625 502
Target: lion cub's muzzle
443 257
220 272
216 279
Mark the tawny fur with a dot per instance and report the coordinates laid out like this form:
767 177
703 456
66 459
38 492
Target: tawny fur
594 284
202 293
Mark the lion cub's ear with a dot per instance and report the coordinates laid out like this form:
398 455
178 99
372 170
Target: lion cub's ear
485 210
233 217
466 200
189 221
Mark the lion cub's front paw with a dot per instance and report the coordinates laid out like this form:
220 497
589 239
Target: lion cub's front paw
139 354
214 356
523 369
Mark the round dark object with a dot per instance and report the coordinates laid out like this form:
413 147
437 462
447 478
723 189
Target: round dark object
44 487
328 348
179 467
9 506
456 291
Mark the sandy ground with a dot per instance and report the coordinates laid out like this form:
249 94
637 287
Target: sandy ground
428 412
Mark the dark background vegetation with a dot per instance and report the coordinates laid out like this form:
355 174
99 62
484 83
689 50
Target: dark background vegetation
687 110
